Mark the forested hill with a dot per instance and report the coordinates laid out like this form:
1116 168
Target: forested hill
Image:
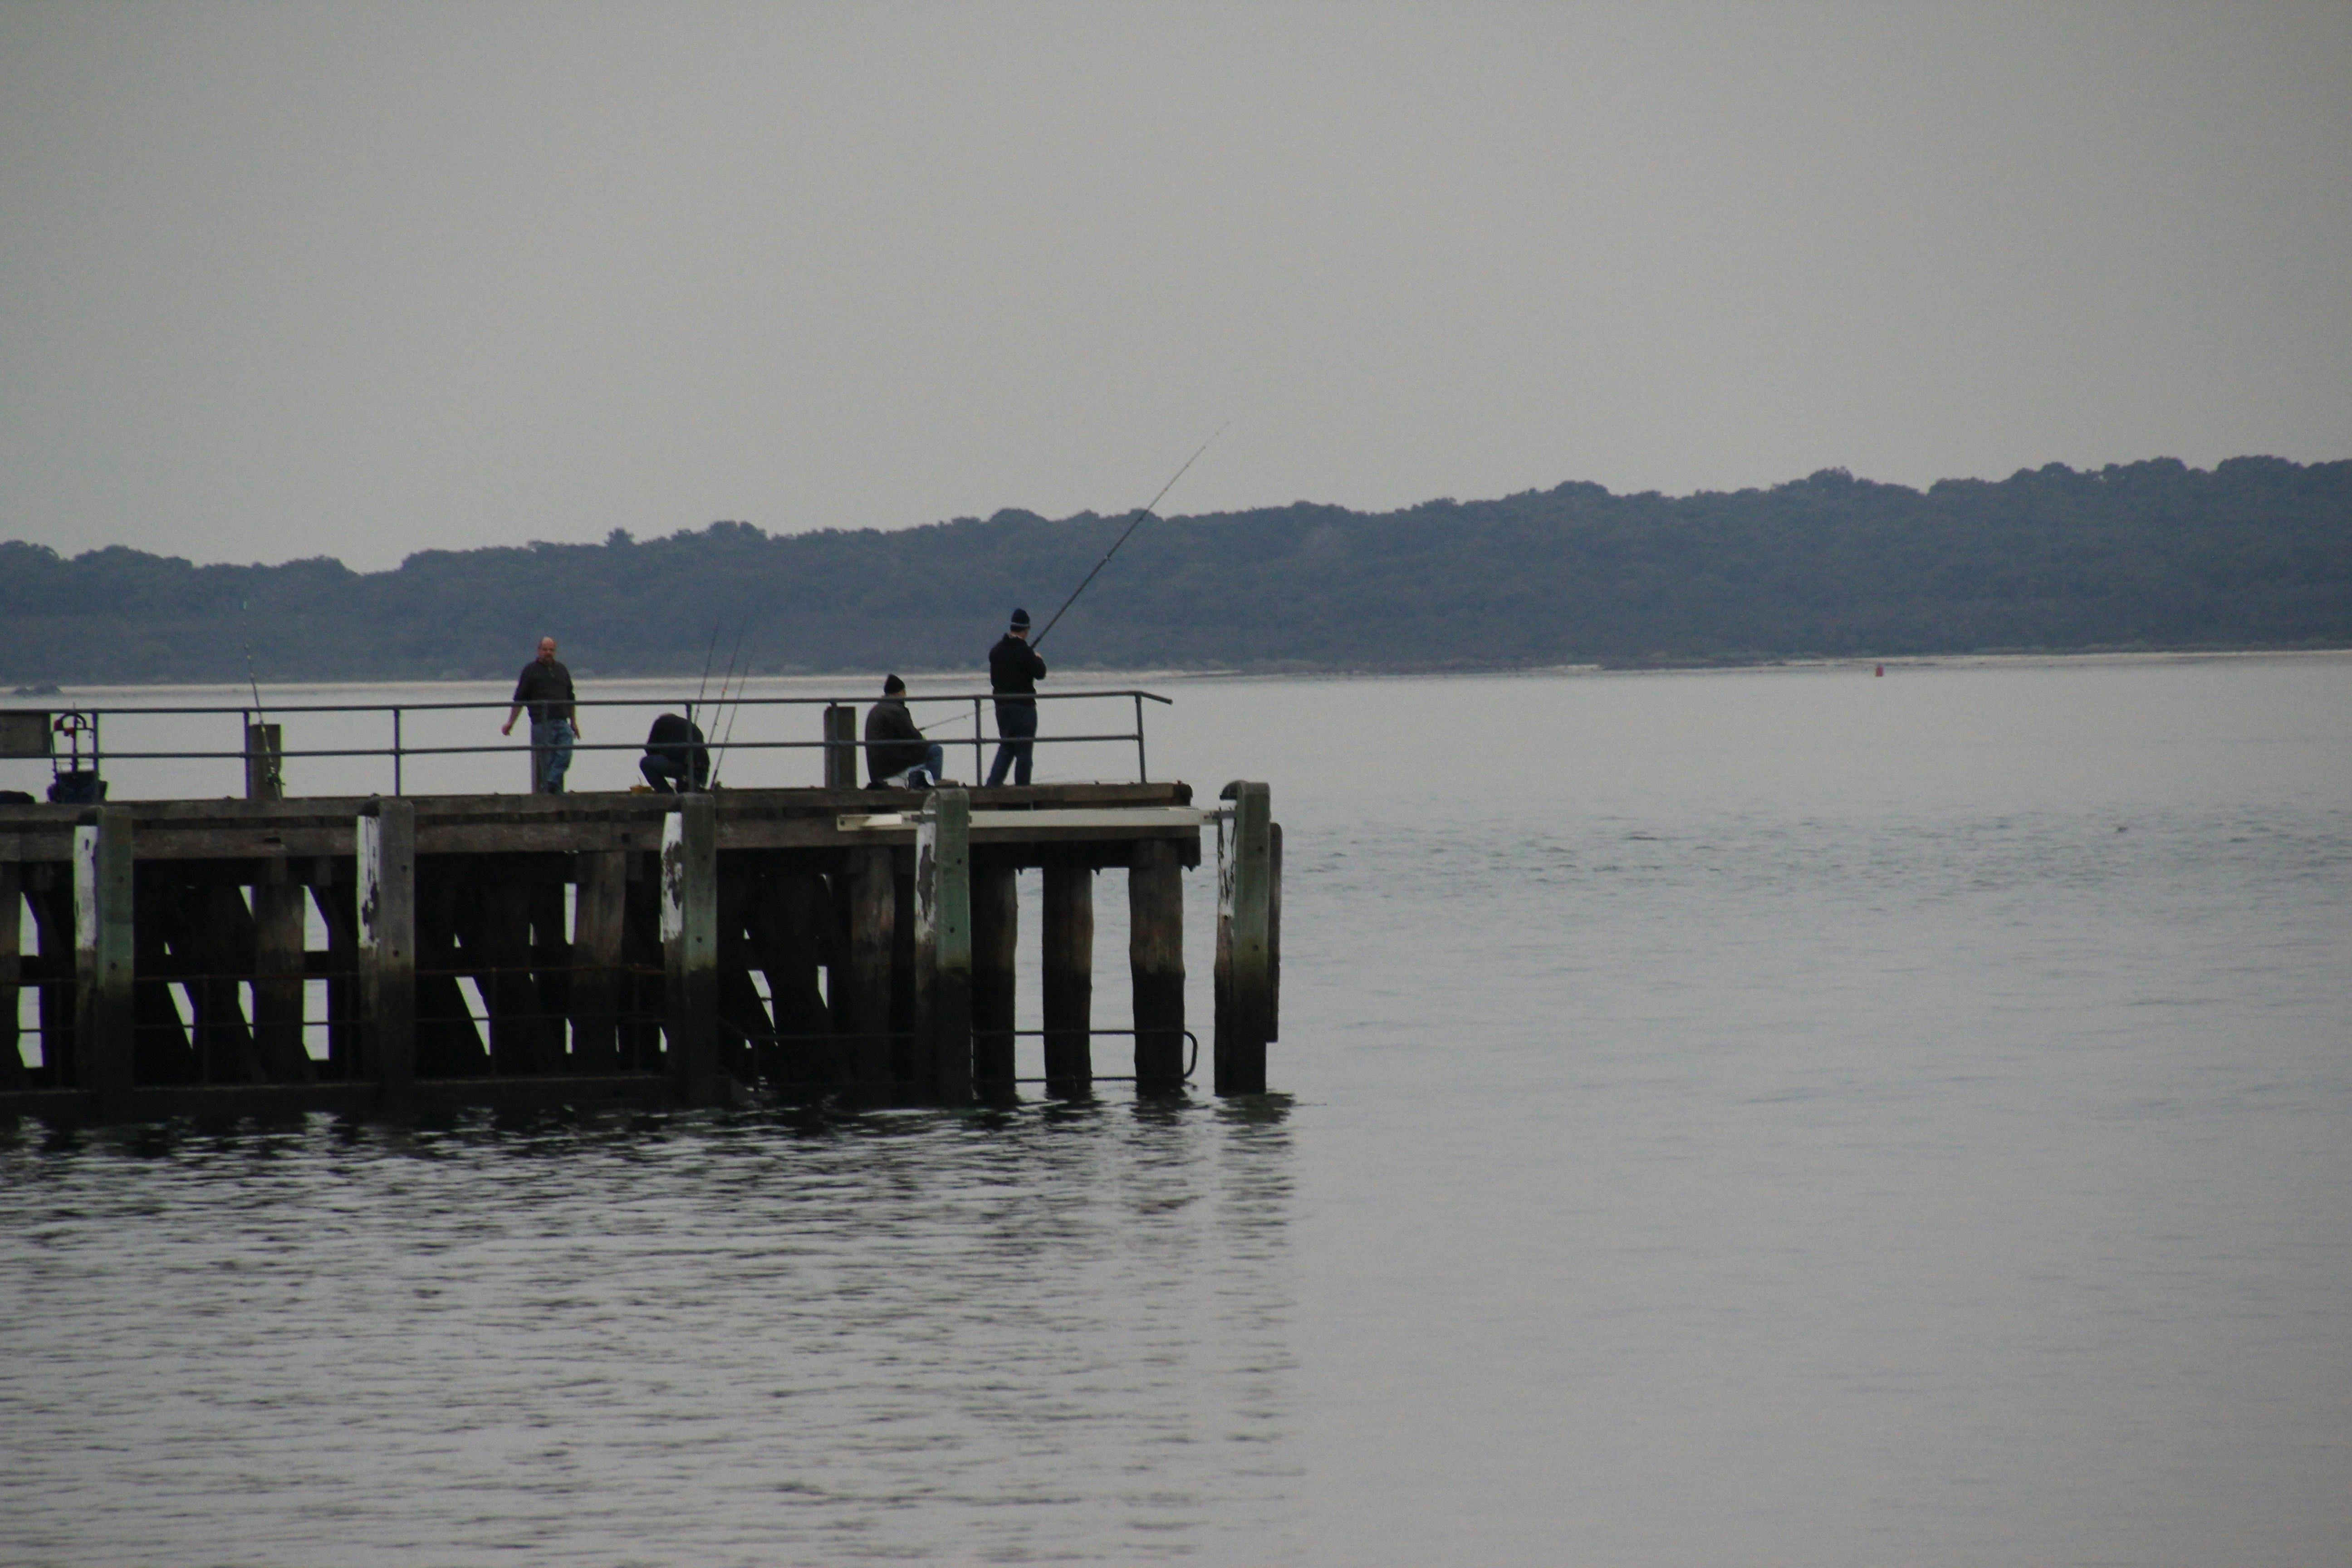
2256 552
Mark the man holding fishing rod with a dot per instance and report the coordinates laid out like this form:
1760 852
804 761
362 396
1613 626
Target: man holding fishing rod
1013 667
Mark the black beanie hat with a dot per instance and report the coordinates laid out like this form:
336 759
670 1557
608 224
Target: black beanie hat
1021 620
892 686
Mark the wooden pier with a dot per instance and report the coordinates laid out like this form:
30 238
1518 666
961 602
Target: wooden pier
630 949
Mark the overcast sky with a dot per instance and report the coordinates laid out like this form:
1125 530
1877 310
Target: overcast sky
294 279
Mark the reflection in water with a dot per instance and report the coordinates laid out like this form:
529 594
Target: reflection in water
1059 1331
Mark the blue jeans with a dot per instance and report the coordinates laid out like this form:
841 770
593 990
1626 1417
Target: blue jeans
551 755
934 760
1017 723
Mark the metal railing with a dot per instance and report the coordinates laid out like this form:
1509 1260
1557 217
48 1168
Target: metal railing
397 752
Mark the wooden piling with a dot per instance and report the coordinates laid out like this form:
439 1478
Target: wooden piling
264 777
386 865
943 948
280 911
13 1073
331 892
1069 977
1155 955
50 892
1244 1002
1274 932
787 925
104 936
873 907
840 746
599 929
995 946
689 888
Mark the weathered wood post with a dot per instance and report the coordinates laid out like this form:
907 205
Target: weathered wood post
600 924
996 947
12 921
690 916
943 947
1155 957
104 952
264 777
1069 977
279 908
386 875
873 909
1245 971
840 746
332 890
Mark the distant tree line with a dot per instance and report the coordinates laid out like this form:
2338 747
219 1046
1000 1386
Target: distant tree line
2257 553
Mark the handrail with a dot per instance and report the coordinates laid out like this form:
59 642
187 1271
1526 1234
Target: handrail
62 706
399 751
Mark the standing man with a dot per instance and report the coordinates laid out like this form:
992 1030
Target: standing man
1013 667
546 687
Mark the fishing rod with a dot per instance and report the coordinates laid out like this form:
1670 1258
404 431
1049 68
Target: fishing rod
254 682
731 653
1133 523
708 654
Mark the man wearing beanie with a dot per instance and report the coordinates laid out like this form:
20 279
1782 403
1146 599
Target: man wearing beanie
896 751
1013 667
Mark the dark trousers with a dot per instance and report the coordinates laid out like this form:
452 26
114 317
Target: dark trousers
1017 723
667 775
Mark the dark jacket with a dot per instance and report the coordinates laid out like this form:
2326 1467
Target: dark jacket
676 738
547 688
1013 667
893 744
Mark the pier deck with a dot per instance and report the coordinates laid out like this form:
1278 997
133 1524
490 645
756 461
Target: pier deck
403 954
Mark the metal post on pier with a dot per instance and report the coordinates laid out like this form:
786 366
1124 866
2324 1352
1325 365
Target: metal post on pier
1142 770
396 753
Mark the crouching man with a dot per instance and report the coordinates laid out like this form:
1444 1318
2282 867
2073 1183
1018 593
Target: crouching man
675 760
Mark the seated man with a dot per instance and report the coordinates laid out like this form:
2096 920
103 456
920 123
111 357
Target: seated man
675 760
897 755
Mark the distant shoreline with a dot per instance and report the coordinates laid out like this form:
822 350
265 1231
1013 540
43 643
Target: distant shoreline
968 682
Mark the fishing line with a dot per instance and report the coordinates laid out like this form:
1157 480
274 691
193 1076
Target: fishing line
1133 523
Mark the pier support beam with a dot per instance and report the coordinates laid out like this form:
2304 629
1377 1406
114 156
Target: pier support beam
600 924
1155 956
995 946
104 957
840 746
1245 965
1069 978
943 1068
280 911
386 860
12 1073
873 910
689 914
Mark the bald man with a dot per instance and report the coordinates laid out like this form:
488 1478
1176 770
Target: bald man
546 687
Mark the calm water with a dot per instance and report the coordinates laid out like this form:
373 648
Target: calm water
1783 1116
